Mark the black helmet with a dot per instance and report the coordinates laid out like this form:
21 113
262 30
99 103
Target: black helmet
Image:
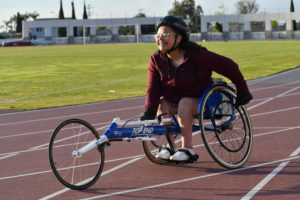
176 23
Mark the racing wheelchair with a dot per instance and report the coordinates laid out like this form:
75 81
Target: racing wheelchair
76 151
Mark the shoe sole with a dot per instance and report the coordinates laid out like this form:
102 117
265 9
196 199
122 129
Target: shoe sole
162 158
179 159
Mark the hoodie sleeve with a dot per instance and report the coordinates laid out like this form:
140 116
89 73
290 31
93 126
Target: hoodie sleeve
228 68
153 87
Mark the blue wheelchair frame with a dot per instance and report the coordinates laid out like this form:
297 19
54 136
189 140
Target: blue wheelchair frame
115 133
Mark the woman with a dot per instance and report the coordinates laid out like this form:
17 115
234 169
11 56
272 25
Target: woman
178 74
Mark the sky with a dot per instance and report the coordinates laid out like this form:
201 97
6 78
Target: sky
127 8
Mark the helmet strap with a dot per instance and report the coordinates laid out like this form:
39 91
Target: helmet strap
174 46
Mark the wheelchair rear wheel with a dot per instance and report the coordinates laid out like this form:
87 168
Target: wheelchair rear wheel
226 131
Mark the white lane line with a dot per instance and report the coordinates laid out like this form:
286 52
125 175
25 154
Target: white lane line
251 82
48 171
103 174
42 146
287 95
259 186
296 152
8 156
272 127
45 146
51 118
277 131
70 116
23 175
275 111
43 132
272 98
268 178
275 86
50 131
25 134
69 107
189 179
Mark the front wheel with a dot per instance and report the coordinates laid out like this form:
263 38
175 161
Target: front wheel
226 131
151 148
75 172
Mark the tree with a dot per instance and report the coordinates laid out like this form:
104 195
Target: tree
74 17
140 14
19 20
61 11
85 16
247 6
292 9
126 30
32 15
73 11
187 11
62 31
12 23
8 25
145 29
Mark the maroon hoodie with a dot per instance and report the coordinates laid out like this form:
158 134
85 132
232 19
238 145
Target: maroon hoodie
190 79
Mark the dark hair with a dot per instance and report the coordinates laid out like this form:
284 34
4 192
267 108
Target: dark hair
189 45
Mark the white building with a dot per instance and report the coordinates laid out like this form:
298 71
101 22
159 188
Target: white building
235 27
247 23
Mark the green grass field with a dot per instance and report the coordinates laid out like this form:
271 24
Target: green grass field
52 76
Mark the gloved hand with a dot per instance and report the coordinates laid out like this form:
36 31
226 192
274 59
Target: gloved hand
243 99
147 115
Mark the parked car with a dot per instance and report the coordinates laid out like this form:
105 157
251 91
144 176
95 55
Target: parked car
18 43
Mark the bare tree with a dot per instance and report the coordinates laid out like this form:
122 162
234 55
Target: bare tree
247 6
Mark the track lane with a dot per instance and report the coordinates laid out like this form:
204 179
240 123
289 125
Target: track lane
275 126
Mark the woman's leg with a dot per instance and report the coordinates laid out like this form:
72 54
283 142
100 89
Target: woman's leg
165 107
187 108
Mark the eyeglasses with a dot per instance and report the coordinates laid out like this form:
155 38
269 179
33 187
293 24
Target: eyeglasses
162 35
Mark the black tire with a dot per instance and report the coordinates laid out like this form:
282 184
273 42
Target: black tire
75 172
151 148
230 143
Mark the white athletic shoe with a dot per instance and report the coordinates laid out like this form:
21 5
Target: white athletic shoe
181 154
163 154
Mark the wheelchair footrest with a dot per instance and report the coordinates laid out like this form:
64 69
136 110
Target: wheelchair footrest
193 158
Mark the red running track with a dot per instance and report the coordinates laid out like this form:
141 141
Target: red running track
272 172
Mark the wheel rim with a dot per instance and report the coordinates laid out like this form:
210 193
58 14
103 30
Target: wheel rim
75 172
221 146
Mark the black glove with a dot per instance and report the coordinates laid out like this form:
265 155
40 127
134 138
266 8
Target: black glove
243 99
147 115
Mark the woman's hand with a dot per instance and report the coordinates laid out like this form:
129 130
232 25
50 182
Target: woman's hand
243 99
147 115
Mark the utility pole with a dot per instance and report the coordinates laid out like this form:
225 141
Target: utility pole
90 13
